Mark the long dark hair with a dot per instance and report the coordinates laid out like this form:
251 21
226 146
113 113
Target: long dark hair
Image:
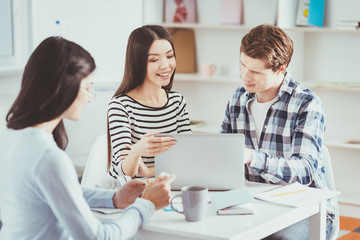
139 43
50 84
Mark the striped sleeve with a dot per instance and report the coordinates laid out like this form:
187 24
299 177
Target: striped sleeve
120 134
183 120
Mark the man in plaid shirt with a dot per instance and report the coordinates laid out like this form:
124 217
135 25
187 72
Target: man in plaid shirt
283 122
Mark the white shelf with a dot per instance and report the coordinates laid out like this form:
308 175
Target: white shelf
247 28
206 26
186 77
340 87
321 30
333 86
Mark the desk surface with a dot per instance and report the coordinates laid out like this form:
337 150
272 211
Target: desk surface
255 226
267 219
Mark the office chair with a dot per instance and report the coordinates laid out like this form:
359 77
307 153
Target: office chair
329 177
95 172
96 165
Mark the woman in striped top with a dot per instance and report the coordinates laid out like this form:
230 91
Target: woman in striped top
144 105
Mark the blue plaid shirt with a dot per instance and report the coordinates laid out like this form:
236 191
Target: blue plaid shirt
290 145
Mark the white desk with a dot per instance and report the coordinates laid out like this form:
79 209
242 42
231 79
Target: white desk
268 218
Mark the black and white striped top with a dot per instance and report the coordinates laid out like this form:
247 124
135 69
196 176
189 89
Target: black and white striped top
129 120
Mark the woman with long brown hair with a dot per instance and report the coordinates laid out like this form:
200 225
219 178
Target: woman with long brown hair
144 105
40 196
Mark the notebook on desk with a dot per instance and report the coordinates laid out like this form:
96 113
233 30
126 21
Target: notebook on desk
214 161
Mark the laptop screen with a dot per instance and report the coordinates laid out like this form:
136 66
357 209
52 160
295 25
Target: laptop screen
215 161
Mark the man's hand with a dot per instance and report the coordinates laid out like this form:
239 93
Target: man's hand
127 194
158 191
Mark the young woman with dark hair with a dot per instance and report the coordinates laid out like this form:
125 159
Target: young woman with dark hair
144 105
42 198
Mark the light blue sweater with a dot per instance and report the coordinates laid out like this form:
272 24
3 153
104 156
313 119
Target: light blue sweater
40 197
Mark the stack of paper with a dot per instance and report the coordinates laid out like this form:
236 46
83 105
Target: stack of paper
295 195
351 25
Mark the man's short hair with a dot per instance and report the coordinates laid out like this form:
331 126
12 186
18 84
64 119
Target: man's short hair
268 43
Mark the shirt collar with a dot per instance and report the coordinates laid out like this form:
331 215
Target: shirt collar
287 86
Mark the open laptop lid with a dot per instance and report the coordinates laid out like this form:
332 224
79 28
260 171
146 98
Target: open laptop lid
215 161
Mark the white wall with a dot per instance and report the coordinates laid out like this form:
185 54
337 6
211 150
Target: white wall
102 28
6 43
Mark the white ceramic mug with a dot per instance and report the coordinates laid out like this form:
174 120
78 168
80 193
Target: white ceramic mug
207 69
194 202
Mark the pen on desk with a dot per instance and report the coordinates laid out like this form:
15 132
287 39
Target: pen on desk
287 193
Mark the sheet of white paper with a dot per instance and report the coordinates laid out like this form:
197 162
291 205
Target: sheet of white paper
295 195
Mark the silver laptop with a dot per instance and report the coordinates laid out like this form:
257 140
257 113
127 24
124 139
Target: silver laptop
215 161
